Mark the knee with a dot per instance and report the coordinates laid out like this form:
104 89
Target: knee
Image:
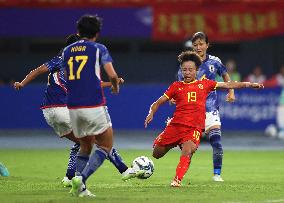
157 155
85 148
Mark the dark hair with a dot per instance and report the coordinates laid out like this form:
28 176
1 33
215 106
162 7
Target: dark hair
199 35
190 56
70 39
89 25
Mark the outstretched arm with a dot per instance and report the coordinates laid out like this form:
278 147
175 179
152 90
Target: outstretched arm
31 76
231 94
238 85
153 108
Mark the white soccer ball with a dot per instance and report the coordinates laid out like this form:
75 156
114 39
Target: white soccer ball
271 130
144 163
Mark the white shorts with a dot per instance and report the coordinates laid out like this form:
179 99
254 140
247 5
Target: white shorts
89 121
58 118
212 118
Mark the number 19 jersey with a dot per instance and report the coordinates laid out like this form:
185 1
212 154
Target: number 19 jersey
190 101
83 61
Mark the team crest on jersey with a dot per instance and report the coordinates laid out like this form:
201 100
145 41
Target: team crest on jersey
200 86
211 68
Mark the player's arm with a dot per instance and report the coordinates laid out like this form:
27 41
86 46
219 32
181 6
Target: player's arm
231 94
108 84
31 76
113 78
238 85
153 108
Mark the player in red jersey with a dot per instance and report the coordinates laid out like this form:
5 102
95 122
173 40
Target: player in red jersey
188 121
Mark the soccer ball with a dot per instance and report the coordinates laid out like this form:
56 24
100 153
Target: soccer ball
143 163
271 130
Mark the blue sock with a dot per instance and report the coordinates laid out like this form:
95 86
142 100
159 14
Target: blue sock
117 161
95 161
81 163
215 141
71 168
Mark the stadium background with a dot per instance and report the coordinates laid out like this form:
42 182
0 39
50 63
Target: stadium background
144 38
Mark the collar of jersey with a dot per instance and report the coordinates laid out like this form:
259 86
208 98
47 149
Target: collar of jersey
189 82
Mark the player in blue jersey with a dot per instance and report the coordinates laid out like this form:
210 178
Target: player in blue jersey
3 170
54 104
211 67
54 107
86 102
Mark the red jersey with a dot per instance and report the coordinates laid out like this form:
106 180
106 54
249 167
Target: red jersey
190 101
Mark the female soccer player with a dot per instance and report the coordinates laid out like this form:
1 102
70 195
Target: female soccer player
188 122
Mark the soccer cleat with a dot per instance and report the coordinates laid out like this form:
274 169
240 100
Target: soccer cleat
66 182
3 170
131 173
217 178
77 186
176 183
86 193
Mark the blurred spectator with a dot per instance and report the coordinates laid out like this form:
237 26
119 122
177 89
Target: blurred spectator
233 73
232 70
276 80
256 75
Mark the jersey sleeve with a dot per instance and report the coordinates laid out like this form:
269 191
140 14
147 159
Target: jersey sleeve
105 56
54 64
221 69
170 92
210 84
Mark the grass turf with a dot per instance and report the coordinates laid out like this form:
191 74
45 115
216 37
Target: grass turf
250 177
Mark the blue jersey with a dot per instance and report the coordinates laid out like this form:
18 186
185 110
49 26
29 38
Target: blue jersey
209 69
55 92
83 61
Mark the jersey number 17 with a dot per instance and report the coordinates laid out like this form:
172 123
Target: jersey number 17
79 59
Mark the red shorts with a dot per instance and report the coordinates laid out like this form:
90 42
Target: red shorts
176 134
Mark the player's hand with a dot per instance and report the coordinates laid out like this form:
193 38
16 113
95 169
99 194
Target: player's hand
18 85
172 102
230 97
120 81
256 85
114 90
148 119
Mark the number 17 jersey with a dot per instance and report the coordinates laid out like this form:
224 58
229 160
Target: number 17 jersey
83 61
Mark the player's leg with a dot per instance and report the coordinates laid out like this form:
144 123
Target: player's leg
126 172
165 141
187 150
58 118
78 186
213 130
3 170
71 168
159 151
104 144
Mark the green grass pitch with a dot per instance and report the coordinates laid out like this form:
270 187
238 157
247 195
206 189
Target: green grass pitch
250 177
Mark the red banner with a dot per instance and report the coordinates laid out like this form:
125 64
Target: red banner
86 3
226 22
114 3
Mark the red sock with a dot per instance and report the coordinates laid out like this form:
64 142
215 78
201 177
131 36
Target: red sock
182 167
